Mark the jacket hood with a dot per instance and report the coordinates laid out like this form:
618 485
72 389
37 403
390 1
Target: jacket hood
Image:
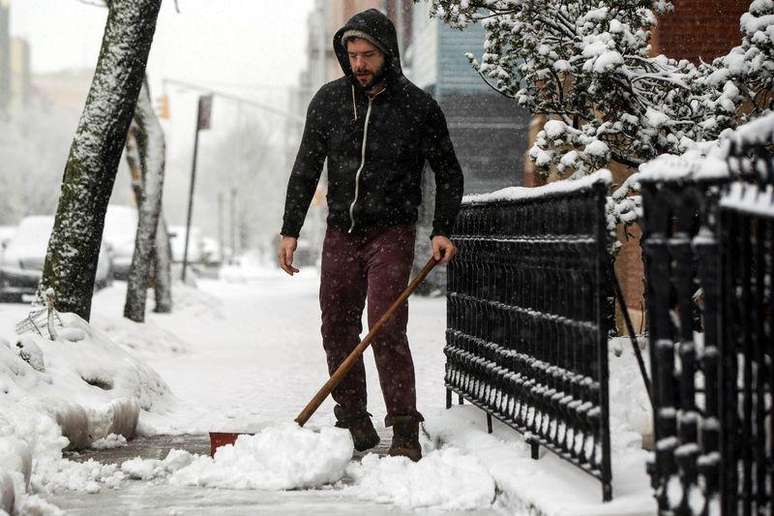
379 27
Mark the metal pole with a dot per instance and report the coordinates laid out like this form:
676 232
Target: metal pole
233 223
191 190
220 228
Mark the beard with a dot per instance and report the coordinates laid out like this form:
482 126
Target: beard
372 79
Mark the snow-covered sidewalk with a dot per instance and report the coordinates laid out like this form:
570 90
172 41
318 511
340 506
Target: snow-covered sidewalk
245 355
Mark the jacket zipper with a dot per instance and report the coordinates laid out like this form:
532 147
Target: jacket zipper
362 164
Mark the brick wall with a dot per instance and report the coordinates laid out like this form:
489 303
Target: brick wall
699 29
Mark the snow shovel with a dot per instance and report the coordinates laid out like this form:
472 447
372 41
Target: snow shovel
345 366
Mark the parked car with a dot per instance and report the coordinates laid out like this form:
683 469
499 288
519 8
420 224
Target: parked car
177 242
6 233
119 235
211 251
21 264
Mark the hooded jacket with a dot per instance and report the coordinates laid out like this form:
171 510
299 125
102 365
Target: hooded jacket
376 147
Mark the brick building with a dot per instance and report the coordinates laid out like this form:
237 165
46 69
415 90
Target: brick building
699 29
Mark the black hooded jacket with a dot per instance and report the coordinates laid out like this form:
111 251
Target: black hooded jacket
376 147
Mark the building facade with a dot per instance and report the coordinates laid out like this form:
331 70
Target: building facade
5 55
21 75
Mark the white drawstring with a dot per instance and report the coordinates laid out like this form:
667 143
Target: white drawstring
354 104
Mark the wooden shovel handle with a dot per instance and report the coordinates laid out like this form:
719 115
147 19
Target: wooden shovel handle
345 366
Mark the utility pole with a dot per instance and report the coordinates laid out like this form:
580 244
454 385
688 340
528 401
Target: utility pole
233 222
220 230
203 115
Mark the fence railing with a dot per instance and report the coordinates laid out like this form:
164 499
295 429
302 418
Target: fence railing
528 316
708 246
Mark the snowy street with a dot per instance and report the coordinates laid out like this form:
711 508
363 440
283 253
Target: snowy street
241 356
245 355
198 199
252 354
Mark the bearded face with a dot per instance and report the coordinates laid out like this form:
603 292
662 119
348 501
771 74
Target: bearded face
366 61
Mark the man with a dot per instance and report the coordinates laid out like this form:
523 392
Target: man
376 129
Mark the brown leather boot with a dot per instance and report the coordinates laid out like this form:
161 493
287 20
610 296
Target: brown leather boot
405 438
360 427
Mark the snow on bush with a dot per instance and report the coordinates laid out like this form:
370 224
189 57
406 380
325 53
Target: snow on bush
587 67
72 392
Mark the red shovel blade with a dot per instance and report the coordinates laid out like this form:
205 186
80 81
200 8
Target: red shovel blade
218 439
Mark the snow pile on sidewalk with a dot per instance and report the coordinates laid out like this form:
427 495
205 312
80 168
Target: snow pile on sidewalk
276 458
444 479
65 393
286 456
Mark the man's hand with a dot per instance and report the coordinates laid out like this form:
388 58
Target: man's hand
287 247
443 249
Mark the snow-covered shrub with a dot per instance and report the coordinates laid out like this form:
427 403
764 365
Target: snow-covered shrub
586 66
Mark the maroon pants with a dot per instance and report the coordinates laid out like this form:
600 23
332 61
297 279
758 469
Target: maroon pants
376 265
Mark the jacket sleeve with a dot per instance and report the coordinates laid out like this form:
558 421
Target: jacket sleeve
306 169
439 152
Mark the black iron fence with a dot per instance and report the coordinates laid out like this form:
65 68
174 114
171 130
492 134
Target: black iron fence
709 247
528 317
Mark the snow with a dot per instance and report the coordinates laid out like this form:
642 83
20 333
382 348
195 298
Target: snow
750 199
30 239
108 442
557 187
554 128
708 161
119 234
249 360
597 148
607 61
148 469
74 391
444 479
277 458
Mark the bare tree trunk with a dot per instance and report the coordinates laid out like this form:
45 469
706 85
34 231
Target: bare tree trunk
163 264
150 144
73 249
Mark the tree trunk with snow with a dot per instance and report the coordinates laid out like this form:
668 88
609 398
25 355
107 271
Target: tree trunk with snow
163 268
73 249
148 182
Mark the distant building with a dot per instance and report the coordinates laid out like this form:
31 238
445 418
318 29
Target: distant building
21 84
489 131
66 89
5 55
699 29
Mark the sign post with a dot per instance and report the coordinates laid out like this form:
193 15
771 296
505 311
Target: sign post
203 116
